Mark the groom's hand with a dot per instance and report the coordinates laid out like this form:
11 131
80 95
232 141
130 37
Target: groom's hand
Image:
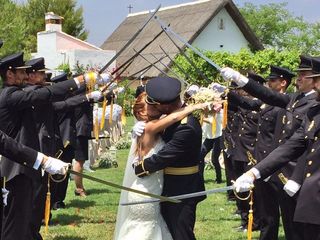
139 170
138 129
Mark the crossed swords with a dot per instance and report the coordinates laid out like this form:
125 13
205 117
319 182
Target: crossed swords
154 197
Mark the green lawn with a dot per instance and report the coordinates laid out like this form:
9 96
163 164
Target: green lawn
93 217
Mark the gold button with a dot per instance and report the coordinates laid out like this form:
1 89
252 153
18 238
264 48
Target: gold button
316 138
244 122
297 116
280 141
309 163
267 118
71 89
24 163
305 137
242 129
259 124
312 150
240 135
264 151
283 131
259 132
252 144
288 122
308 175
256 139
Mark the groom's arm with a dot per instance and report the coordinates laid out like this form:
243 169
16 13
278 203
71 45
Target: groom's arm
175 149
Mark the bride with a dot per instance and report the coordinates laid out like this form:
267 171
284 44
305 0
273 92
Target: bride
144 221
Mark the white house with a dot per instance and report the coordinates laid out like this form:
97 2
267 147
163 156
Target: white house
206 24
59 48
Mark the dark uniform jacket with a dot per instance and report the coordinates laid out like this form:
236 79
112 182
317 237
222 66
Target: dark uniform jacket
230 133
182 149
303 143
84 118
16 120
294 107
247 132
266 129
17 152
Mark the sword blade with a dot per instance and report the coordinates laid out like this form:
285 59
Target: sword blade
111 184
183 196
169 30
130 41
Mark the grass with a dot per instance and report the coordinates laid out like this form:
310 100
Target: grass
93 217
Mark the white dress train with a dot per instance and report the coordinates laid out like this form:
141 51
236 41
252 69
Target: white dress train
142 221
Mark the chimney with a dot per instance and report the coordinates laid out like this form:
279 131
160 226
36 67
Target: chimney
53 22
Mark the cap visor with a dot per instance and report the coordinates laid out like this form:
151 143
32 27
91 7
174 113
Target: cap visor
22 67
304 69
313 75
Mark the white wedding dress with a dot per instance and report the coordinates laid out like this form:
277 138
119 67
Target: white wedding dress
142 221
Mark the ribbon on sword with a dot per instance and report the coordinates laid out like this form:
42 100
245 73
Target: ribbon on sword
183 196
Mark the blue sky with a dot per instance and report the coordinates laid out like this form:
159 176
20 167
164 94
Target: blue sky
103 16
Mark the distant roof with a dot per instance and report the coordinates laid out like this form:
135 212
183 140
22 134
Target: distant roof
188 20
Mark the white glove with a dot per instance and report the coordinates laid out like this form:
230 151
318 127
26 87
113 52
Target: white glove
100 79
120 89
244 183
55 166
218 87
291 187
95 95
104 78
233 75
112 86
5 193
138 129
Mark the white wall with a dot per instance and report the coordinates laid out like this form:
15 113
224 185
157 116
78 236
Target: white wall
47 47
228 39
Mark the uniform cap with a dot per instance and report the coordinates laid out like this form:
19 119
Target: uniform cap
315 68
36 65
280 72
60 78
163 90
14 61
256 78
305 63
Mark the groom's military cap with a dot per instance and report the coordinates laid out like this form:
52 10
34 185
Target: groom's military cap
305 63
36 65
163 90
12 62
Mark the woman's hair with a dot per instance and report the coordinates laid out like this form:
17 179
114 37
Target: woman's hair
139 107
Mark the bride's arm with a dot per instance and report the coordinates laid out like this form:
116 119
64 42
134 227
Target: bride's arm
159 125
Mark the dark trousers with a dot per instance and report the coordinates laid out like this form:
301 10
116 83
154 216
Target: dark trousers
59 189
17 214
180 219
40 189
267 205
243 206
311 231
229 170
215 145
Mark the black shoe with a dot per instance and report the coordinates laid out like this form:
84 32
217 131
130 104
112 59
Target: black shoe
241 228
58 205
218 181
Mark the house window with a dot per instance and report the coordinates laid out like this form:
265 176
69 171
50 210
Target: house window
221 24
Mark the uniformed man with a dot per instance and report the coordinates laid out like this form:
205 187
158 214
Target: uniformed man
295 106
142 88
303 143
266 206
179 158
17 121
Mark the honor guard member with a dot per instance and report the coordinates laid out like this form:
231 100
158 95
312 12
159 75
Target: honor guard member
179 158
306 175
142 88
245 141
266 205
16 121
229 135
294 107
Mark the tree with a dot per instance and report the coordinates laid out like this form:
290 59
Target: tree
34 12
12 26
276 27
244 61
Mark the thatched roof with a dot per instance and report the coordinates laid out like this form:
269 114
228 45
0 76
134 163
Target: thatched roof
188 20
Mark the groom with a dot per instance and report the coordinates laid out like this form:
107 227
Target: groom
179 158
